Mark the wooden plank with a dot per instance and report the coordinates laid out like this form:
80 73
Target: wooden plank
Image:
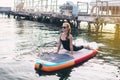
87 18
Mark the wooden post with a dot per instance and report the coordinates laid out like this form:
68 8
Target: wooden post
117 31
97 25
101 27
8 14
117 34
89 27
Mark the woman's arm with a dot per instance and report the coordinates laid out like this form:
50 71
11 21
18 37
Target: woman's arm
71 45
59 45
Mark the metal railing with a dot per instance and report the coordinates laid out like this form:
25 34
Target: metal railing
99 8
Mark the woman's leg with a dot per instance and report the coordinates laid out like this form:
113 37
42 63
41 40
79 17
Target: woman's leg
77 48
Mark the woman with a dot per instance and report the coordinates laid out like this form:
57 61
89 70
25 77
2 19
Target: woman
66 39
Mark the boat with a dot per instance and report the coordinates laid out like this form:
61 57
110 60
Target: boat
54 61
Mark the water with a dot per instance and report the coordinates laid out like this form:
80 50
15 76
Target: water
22 43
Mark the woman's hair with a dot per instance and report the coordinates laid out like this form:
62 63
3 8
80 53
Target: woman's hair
68 26
69 29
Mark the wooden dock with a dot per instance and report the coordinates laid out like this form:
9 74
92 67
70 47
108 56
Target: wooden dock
96 13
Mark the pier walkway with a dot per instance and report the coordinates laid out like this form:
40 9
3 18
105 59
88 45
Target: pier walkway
97 13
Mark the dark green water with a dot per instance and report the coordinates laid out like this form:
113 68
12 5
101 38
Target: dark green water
22 43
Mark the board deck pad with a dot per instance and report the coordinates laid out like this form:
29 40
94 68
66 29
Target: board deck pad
64 56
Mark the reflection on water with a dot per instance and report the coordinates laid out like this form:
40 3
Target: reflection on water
62 74
22 43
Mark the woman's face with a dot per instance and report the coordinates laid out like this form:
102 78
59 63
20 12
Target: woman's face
64 28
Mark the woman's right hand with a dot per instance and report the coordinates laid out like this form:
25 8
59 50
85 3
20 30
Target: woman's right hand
56 52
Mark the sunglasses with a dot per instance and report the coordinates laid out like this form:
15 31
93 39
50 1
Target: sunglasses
64 27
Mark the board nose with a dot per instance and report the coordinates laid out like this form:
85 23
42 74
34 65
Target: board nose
38 66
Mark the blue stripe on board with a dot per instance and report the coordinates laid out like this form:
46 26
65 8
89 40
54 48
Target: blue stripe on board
53 64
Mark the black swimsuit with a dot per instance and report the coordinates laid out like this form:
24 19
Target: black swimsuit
66 45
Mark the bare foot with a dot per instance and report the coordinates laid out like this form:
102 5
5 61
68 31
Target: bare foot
85 46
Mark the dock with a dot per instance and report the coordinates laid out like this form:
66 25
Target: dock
96 13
